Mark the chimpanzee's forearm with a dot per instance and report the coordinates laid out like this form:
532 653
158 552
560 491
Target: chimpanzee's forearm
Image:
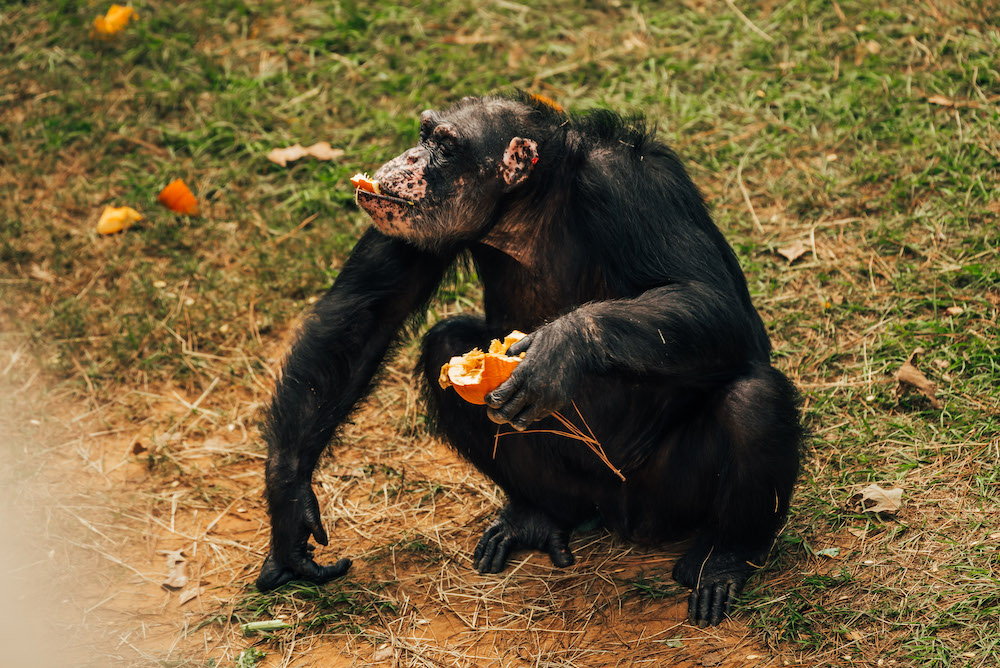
683 330
342 343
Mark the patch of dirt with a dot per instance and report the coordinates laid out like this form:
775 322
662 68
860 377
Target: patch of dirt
110 491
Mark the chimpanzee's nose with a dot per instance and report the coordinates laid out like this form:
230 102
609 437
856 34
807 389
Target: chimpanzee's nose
412 156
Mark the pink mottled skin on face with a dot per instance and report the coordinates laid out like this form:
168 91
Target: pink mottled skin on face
403 176
392 217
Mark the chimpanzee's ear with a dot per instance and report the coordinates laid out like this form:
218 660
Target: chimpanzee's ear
518 160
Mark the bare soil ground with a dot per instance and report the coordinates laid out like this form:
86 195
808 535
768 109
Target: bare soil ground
97 516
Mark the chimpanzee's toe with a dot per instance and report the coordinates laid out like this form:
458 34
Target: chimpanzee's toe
520 528
708 605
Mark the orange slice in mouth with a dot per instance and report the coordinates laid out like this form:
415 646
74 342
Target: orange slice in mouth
364 182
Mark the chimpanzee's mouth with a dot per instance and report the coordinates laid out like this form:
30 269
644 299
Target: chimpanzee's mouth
360 194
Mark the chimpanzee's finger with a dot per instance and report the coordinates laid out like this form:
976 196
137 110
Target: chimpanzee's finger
520 346
312 520
718 607
510 409
558 549
310 570
693 606
498 397
484 542
531 413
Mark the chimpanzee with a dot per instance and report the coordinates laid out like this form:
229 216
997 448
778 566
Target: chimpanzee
588 234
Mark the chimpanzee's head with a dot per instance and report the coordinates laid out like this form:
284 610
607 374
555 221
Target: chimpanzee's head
446 189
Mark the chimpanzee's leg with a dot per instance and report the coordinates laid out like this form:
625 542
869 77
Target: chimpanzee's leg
760 436
538 514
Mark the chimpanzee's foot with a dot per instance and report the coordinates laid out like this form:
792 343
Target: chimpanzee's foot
715 579
519 527
273 574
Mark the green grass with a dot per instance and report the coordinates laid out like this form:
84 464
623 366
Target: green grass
840 147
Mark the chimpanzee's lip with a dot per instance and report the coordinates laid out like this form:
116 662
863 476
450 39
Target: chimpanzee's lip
366 194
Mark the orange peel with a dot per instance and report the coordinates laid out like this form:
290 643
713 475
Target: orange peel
117 218
362 181
114 21
179 198
475 374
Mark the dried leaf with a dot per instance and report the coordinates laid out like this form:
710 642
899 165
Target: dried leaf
476 37
383 653
176 565
38 272
323 151
941 100
712 659
190 593
320 150
793 251
909 375
874 499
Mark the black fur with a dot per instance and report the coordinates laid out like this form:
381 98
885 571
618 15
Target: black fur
638 313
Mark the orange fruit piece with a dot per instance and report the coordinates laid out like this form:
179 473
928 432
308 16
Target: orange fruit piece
475 374
117 218
362 181
114 21
178 197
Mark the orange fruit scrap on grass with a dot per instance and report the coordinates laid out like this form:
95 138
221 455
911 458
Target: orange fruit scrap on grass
178 197
117 218
475 374
362 181
114 21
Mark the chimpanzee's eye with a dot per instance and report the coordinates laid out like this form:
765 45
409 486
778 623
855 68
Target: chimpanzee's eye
445 136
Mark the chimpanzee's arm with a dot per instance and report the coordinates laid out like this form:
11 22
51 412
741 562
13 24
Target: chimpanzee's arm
329 369
692 333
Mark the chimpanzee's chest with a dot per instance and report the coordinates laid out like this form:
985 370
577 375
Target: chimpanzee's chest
524 290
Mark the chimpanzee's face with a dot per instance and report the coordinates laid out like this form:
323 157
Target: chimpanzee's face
445 190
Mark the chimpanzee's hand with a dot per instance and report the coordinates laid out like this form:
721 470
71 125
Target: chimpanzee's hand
294 517
545 380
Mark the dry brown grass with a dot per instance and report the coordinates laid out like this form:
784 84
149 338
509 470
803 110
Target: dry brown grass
405 508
